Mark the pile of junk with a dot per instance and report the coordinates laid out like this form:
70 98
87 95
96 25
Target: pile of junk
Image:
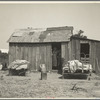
19 67
75 67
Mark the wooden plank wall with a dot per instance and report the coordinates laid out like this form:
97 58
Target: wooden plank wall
97 67
10 53
73 46
65 52
93 54
36 54
75 52
78 49
71 50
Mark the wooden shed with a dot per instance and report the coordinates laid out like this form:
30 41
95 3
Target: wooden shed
37 46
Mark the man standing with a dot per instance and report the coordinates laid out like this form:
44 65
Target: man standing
54 58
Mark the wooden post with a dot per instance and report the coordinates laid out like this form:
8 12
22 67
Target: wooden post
43 72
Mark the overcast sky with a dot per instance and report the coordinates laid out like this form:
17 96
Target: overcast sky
84 16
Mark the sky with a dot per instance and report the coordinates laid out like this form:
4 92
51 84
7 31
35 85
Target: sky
84 16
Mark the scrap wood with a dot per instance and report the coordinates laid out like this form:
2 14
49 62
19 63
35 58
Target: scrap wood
78 88
73 88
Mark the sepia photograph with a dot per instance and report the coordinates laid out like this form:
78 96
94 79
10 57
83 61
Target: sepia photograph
50 50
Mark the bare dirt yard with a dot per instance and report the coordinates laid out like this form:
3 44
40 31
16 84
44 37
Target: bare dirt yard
31 86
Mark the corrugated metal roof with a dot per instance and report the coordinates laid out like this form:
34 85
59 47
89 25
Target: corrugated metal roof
30 35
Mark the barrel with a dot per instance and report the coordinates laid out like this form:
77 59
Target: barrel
43 72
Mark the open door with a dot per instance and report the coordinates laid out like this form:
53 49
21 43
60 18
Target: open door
56 56
84 52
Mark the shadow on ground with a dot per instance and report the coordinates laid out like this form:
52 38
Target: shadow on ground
74 77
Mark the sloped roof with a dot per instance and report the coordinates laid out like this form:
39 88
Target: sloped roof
80 38
30 35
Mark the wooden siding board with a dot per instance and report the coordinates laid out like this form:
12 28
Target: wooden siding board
92 55
10 53
14 52
97 67
49 57
50 64
73 49
33 58
22 52
70 52
25 52
78 49
45 56
17 51
37 58
95 58
41 54
95 53
30 55
66 52
63 51
98 53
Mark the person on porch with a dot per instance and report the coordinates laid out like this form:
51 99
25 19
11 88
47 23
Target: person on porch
54 58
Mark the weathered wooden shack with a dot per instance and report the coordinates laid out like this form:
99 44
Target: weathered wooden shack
37 45
86 50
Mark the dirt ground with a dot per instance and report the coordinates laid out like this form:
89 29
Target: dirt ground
31 86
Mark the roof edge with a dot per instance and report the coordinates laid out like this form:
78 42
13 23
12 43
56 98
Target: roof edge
60 28
85 38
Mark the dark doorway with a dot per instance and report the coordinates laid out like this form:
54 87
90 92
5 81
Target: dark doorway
84 52
56 56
